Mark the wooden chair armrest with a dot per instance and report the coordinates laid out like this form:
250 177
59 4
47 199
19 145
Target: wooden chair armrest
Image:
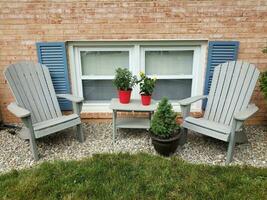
70 98
18 111
246 113
190 100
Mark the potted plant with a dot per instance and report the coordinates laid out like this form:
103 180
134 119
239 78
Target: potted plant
124 82
147 86
165 132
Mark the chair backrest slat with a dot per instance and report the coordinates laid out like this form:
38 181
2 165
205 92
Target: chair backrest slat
51 90
41 96
26 75
17 89
218 92
226 84
251 86
236 93
231 90
244 98
16 70
42 79
213 87
32 87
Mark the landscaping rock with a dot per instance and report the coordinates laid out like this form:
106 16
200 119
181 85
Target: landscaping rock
15 152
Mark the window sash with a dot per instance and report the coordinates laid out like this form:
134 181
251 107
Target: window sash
178 62
78 61
101 63
164 48
195 69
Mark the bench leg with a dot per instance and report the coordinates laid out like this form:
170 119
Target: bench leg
114 117
80 135
150 117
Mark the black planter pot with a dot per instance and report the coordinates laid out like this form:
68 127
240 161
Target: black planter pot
166 147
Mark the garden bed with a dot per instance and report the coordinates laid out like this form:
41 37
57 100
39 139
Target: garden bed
15 153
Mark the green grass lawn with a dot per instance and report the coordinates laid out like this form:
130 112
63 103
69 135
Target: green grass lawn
140 176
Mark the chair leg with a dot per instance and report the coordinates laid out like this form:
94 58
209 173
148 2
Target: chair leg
80 135
34 148
230 152
183 137
28 123
232 141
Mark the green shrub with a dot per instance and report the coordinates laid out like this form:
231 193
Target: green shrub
263 79
263 83
264 50
164 124
146 84
124 80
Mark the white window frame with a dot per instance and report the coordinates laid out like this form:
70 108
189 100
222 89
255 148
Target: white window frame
136 64
193 76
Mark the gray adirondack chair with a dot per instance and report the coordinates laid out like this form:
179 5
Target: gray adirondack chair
227 106
37 105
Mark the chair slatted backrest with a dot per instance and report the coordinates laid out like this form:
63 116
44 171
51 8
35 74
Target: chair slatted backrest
231 90
33 90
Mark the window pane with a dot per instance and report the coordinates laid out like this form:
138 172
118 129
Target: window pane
103 62
169 62
99 90
173 89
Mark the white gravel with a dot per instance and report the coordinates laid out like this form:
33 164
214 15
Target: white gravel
15 152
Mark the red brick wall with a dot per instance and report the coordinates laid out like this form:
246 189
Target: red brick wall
22 23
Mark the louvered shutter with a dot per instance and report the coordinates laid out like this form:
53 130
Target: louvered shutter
53 55
218 52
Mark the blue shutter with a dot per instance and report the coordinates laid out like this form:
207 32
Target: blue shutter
218 52
53 55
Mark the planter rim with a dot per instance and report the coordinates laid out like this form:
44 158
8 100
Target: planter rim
125 90
177 136
146 95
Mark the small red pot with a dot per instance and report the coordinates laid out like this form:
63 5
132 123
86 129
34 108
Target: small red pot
146 99
124 96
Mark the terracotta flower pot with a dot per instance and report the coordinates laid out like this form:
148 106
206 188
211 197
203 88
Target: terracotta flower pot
124 96
146 99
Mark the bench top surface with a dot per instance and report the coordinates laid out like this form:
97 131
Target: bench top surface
134 105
